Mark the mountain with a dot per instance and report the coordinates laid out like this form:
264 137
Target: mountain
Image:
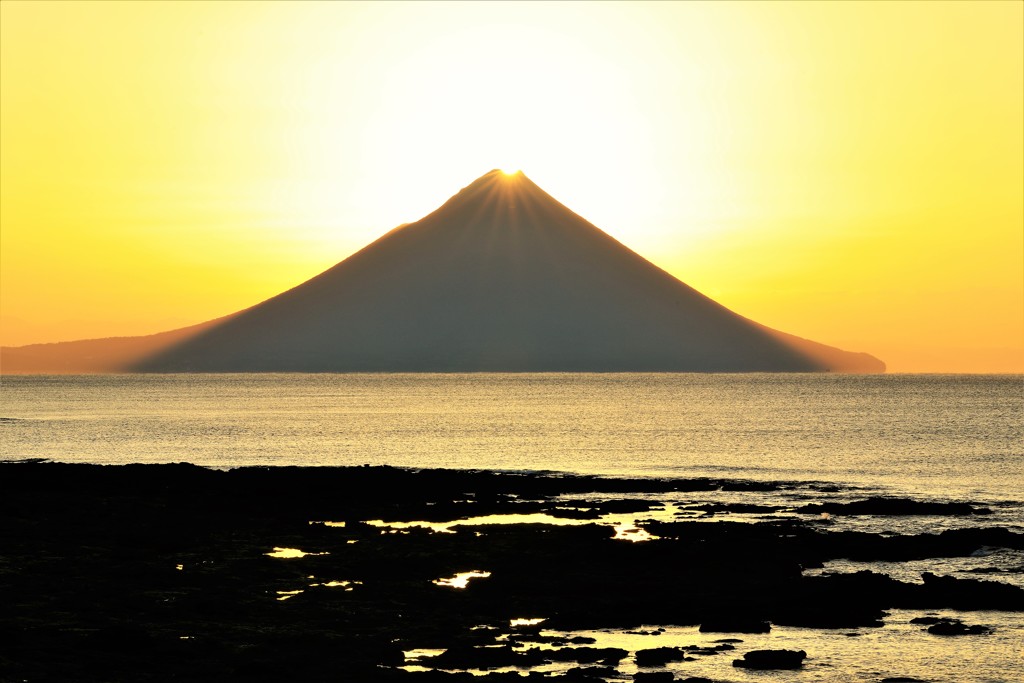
502 277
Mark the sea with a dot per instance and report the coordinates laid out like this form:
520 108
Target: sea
942 435
840 437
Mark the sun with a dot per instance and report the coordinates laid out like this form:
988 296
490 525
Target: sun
510 171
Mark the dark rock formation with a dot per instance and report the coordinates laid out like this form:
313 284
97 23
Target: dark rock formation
971 594
928 620
771 659
895 506
724 624
660 656
585 655
589 674
653 677
948 626
112 570
954 628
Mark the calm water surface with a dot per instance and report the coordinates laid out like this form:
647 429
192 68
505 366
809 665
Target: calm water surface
936 434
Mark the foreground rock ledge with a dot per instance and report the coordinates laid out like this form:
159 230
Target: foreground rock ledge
169 572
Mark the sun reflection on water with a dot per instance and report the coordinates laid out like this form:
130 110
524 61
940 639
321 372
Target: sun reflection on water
632 533
461 580
625 525
289 553
347 585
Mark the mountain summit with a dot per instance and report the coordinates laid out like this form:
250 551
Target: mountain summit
502 277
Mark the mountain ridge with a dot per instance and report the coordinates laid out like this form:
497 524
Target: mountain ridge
500 277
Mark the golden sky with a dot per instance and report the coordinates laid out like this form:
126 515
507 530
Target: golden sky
847 172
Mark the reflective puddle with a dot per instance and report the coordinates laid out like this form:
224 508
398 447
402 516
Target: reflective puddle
631 532
625 525
289 553
462 579
347 585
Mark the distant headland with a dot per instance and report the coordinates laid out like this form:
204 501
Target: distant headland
501 278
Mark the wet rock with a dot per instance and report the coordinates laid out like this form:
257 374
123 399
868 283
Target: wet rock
472 657
994 570
842 601
949 543
400 676
573 513
712 650
928 620
771 659
625 505
589 674
660 656
127 606
551 640
735 625
653 677
894 506
971 594
584 655
120 636
955 627
734 508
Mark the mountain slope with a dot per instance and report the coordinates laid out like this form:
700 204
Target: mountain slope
111 354
502 277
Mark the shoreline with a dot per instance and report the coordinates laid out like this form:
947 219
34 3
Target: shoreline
164 572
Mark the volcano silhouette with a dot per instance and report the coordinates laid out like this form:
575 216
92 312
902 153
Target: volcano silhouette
502 277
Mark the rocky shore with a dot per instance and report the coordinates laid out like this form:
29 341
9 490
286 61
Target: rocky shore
176 572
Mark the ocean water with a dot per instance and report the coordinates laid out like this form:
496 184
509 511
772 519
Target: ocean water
943 437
